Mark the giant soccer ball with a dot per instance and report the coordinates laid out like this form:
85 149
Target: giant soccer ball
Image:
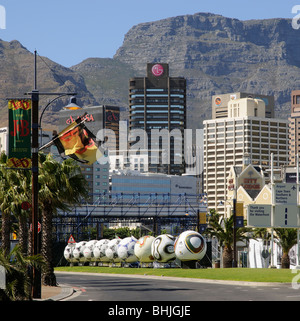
88 250
78 251
125 249
142 249
162 248
112 250
99 248
190 246
68 252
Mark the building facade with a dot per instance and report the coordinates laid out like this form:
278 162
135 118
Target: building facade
157 114
294 128
220 103
161 186
227 140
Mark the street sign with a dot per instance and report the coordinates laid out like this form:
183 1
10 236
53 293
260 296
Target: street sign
259 215
71 240
39 227
285 193
285 215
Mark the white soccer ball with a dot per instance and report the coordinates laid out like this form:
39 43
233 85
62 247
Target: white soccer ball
126 249
78 251
68 252
97 251
88 250
162 248
111 251
190 246
142 249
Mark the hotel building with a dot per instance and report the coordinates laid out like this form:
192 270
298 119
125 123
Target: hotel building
245 130
294 129
220 103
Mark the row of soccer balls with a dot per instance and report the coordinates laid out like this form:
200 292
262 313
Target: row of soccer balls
188 246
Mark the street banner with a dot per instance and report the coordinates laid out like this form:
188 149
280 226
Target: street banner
19 133
239 214
202 222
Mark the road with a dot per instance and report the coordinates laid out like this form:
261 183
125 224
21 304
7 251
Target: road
117 288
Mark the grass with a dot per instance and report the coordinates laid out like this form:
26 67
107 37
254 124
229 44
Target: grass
235 274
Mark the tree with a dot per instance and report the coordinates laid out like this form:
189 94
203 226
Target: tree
222 229
14 189
287 239
61 185
18 283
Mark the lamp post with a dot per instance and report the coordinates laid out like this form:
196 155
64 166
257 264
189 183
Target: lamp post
35 94
36 273
71 106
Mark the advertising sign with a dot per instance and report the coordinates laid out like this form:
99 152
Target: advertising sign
19 123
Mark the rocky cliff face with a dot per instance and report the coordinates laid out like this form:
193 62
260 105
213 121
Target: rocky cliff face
17 77
219 55
216 55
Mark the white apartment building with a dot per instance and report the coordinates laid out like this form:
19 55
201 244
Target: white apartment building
226 140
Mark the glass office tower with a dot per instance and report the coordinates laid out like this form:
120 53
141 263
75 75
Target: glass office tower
157 118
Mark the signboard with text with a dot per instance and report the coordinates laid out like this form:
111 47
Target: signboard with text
285 193
259 215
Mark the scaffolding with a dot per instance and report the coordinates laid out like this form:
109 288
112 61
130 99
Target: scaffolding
151 210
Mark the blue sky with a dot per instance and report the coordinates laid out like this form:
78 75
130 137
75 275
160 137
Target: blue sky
69 31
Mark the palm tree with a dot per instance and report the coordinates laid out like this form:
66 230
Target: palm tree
14 189
18 283
287 239
222 229
61 185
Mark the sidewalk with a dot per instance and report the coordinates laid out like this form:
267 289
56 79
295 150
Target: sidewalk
55 293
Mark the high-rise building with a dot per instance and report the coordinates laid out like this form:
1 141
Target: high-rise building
220 103
245 130
157 107
294 137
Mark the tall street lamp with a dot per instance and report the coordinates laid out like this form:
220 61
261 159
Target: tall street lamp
35 94
36 272
71 106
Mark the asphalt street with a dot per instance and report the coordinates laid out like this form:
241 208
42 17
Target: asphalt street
118 288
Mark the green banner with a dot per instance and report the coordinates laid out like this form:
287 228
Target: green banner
19 131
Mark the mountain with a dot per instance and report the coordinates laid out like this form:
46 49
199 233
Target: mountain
214 53
219 55
17 78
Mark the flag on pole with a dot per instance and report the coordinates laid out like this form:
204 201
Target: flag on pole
78 142
19 130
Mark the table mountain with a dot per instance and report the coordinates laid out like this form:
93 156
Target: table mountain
219 55
216 55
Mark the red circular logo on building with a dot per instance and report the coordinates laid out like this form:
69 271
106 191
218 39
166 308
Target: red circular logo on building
157 70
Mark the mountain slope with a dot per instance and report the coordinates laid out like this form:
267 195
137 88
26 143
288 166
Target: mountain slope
17 77
216 55
219 55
